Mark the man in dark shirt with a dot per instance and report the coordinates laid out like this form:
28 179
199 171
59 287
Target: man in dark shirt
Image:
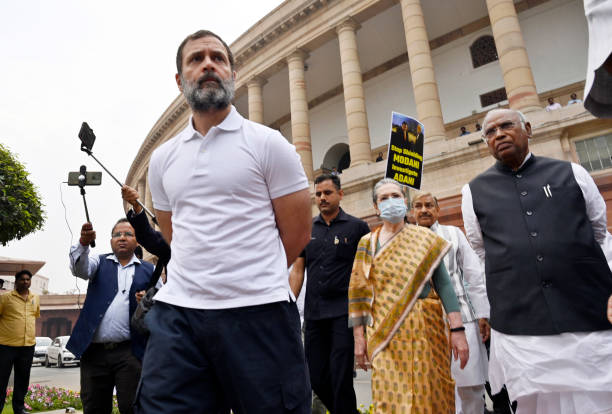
329 259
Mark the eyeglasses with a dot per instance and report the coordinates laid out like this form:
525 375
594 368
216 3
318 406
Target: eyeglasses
490 133
118 234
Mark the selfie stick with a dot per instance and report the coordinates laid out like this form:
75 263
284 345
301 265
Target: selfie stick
88 137
82 181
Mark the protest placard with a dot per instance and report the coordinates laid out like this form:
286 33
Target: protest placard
405 155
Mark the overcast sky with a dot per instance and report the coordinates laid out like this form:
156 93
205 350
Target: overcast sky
110 63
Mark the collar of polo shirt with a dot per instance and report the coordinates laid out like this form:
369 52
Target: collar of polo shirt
232 122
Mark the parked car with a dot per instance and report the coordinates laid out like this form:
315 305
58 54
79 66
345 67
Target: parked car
40 350
58 354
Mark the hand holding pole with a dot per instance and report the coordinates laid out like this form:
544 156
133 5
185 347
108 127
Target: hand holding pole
82 181
88 235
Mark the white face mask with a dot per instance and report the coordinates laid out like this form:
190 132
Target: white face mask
392 210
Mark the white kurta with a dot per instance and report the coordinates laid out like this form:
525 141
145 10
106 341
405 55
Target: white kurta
546 364
475 371
467 277
571 361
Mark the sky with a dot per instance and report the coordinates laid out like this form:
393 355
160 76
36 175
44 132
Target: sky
110 63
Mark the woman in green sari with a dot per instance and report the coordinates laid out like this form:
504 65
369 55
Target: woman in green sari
401 291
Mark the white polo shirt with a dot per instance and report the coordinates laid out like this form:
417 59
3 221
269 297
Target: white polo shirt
226 248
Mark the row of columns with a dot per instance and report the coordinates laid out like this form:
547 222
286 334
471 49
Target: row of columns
513 60
298 104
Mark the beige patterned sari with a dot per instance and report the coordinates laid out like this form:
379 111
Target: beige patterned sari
407 338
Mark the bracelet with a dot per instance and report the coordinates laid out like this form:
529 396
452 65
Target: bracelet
458 329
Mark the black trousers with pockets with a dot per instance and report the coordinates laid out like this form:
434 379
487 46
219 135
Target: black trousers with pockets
330 352
104 368
249 359
19 359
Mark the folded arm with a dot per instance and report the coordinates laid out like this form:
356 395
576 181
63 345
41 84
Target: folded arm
293 216
164 218
296 276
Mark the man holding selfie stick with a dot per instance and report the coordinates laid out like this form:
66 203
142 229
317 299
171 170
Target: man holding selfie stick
110 352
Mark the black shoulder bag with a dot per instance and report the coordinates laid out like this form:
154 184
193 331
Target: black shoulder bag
147 302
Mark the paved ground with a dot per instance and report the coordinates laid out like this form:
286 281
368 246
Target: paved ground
68 377
363 388
62 412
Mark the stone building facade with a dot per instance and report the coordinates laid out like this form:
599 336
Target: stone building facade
328 73
58 314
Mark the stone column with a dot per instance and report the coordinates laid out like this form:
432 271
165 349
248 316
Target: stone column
148 201
256 99
354 97
142 188
518 78
427 99
300 126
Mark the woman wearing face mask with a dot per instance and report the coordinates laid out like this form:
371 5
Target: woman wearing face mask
398 289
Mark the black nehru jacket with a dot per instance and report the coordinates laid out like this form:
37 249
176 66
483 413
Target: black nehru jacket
329 260
546 274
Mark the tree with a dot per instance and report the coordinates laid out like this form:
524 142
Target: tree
21 210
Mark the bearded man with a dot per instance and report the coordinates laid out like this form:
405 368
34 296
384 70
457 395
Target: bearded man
232 201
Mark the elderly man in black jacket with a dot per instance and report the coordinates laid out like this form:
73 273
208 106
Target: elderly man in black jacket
539 225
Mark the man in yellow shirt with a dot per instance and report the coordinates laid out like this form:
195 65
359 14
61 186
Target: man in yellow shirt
19 309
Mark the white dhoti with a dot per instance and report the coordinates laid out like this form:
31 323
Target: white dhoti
469 391
570 373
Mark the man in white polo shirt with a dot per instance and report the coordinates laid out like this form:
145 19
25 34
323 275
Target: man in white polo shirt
232 199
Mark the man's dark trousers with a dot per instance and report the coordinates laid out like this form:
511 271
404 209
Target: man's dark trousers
103 367
18 358
204 361
330 348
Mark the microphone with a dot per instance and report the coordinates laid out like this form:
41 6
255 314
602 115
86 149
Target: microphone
82 176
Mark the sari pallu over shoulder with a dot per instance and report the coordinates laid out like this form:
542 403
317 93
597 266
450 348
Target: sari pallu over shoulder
411 256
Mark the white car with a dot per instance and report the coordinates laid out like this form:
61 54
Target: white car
40 350
58 354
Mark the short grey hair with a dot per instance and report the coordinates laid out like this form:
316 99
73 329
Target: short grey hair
421 194
383 182
522 119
